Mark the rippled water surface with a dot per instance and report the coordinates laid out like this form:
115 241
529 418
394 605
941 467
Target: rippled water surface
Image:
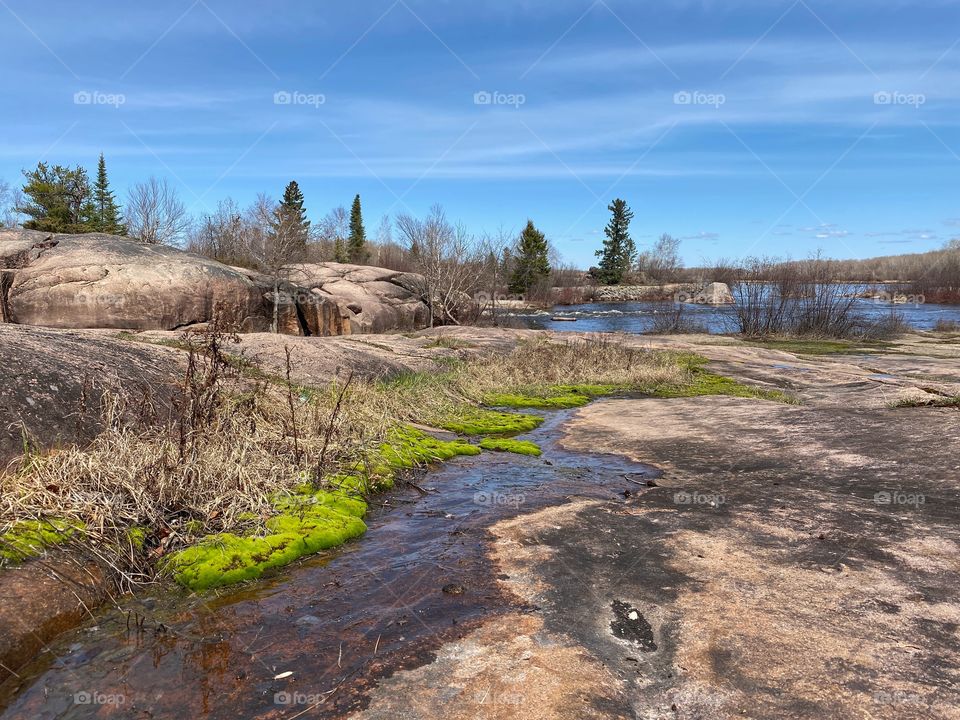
639 317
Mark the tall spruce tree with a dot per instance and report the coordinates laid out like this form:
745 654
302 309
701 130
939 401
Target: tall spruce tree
619 252
531 262
357 250
292 213
104 211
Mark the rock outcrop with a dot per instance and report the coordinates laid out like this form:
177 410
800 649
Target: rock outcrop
715 293
105 281
711 294
376 299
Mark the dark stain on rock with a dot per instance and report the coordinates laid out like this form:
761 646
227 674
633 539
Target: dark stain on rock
629 624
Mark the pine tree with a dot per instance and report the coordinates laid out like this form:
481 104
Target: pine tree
357 251
531 263
103 209
293 214
340 254
59 199
619 252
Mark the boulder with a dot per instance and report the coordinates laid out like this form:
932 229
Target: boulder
105 281
715 293
376 299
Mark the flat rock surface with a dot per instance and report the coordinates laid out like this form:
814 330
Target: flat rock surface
52 383
792 562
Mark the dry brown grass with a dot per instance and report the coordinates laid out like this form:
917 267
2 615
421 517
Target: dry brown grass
240 437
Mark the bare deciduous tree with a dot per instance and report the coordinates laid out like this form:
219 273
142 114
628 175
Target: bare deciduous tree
332 234
662 263
273 239
447 257
219 235
11 199
155 215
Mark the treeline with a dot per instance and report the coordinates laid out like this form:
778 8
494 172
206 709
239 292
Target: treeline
267 236
934 274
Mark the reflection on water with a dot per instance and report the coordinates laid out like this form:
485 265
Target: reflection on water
638 317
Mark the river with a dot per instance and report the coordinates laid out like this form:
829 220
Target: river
638 317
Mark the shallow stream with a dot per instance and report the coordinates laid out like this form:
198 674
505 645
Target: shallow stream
311 640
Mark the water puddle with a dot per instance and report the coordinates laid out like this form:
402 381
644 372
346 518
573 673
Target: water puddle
312 640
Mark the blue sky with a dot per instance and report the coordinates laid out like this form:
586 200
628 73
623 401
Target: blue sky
742 127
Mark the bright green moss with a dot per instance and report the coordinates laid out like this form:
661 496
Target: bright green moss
705 383
709 384
479 421
308 520
555 402
226 559
822 347
137 536
29 538
407 447
305 524
521 447
553 397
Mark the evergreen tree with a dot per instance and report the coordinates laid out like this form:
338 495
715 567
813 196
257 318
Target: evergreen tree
59 199
104 211
357 251
291 213
340 254
619 252
531 263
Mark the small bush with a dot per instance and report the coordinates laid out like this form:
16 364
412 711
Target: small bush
675 322
946 326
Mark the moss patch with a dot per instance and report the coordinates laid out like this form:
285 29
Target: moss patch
29 538
479 421
407 447
703 383
308 520
137 536
821 347
931 402
521 447
553 397
305 523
